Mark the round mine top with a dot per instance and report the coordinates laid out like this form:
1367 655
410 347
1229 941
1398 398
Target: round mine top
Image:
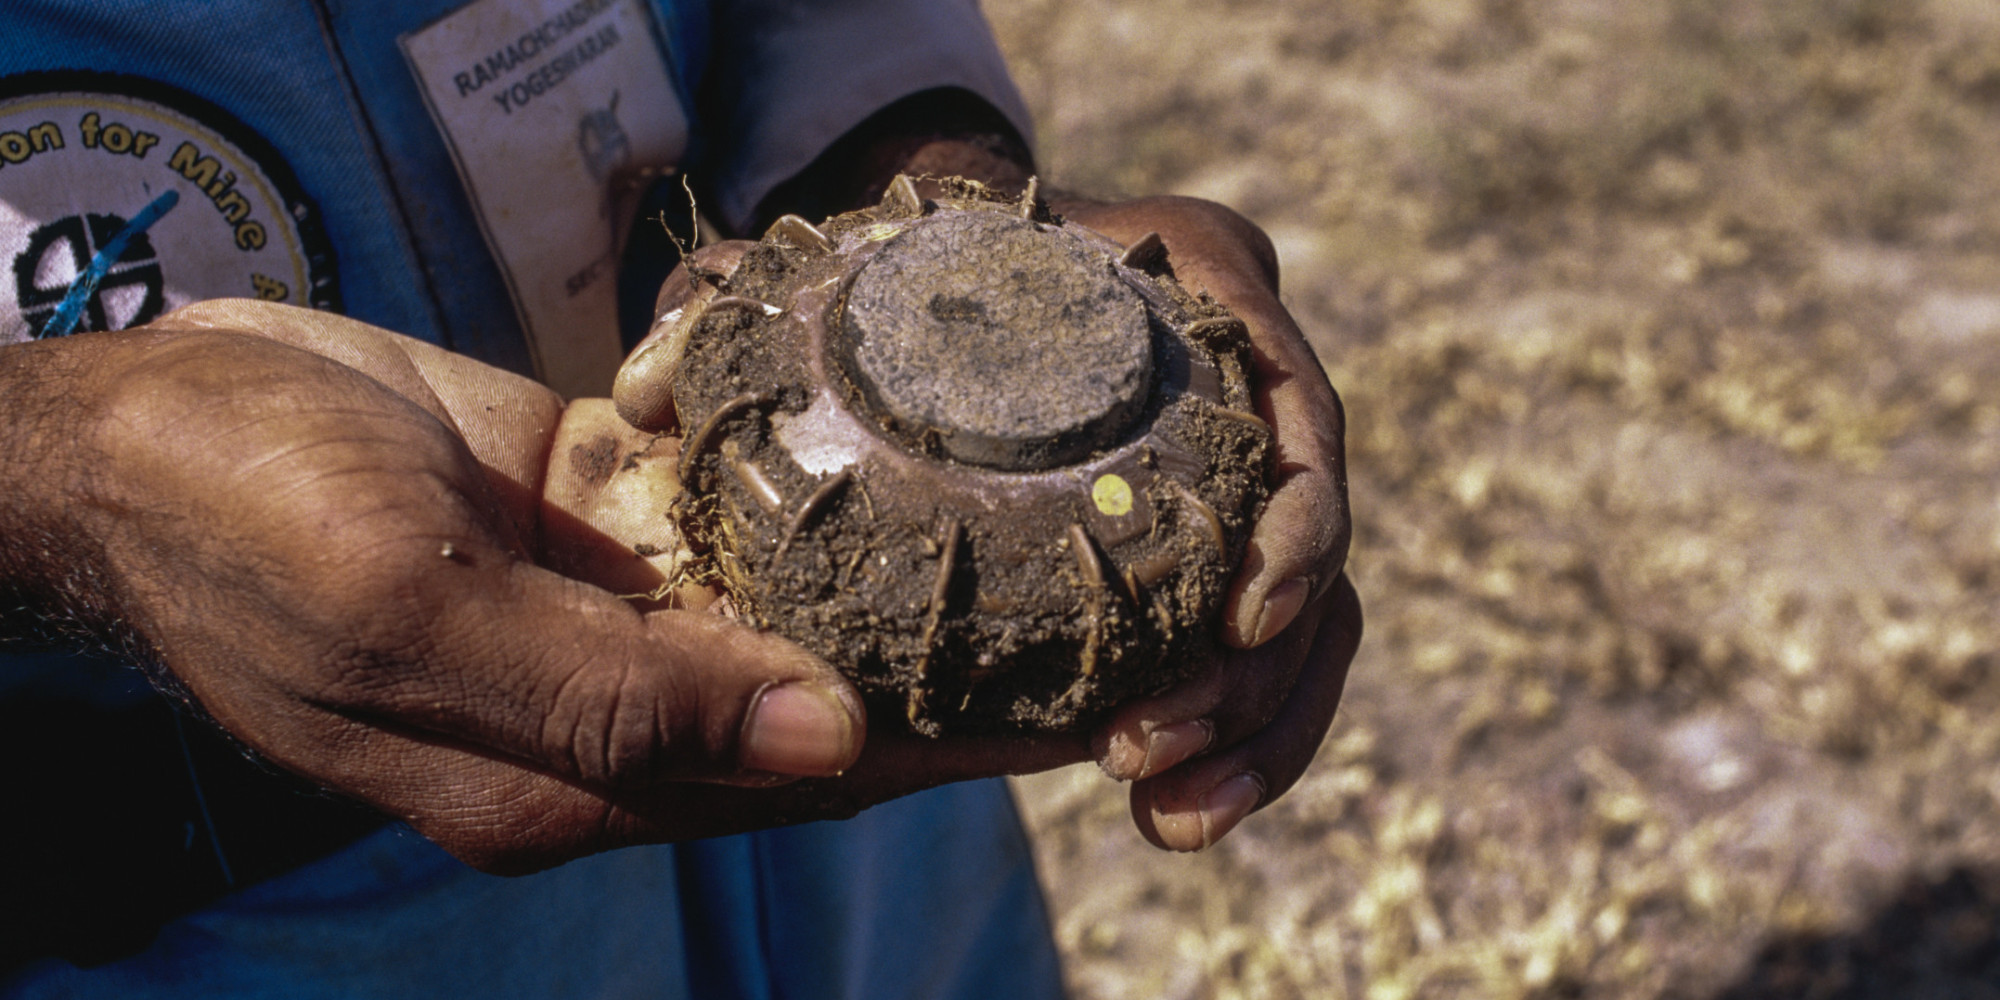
1016 347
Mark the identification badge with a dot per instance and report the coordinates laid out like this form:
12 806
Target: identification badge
542 102
122 198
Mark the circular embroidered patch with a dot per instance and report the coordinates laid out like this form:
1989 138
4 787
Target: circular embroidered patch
122 199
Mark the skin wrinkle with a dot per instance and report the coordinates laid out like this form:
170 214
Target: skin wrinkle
338 417
618 762
611 761
377 738
405 546
575 700
318 335
409 414
377 424
716 728
1326 519
352 680
589 758
378 661
312 494
439 419
660 731
529 820
559 726
437 407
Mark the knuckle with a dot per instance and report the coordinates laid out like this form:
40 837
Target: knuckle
170 382
1261 690
1221 219
627 728
1254 712
1285 761
1216 690
651 731
1308 528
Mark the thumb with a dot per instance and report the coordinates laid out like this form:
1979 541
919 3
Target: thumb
787 712
570 680
643 390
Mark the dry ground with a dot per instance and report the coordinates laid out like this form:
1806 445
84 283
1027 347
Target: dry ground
1670 338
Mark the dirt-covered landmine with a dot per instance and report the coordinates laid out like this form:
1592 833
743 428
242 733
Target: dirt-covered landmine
996 468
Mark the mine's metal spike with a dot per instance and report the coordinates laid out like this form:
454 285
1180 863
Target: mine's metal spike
1096 594
1242 417
1205 516
1154 568
739 302
866 500
1218 330
1145 252
760 486
934 611
710 432
1032 205
1131 582
902 198
814 503
1087 660
1088 565
947 565
797 232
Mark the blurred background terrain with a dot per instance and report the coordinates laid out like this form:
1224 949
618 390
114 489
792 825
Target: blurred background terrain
1669 335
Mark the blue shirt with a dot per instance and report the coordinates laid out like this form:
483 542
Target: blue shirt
287 151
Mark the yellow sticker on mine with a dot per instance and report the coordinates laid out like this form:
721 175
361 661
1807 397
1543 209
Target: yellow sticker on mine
1112 494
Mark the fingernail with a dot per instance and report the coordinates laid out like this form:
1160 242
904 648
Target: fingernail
1123 759
1226 804
1280 608
637 371
798 729
1169 745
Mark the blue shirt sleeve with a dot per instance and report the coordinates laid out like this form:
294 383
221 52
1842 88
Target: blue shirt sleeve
787 79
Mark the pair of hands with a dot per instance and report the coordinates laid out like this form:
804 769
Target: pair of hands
394 570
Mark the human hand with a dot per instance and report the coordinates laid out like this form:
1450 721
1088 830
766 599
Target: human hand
1208 752
1293 620
335 550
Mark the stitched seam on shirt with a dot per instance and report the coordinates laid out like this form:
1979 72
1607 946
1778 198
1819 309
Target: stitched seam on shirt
379 164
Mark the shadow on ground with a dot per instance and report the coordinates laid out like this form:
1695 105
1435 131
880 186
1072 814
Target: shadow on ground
1934 939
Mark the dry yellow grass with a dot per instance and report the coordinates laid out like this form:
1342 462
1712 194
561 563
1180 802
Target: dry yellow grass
1670 339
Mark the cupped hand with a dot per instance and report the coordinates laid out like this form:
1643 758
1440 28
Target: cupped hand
339 542
1207 753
